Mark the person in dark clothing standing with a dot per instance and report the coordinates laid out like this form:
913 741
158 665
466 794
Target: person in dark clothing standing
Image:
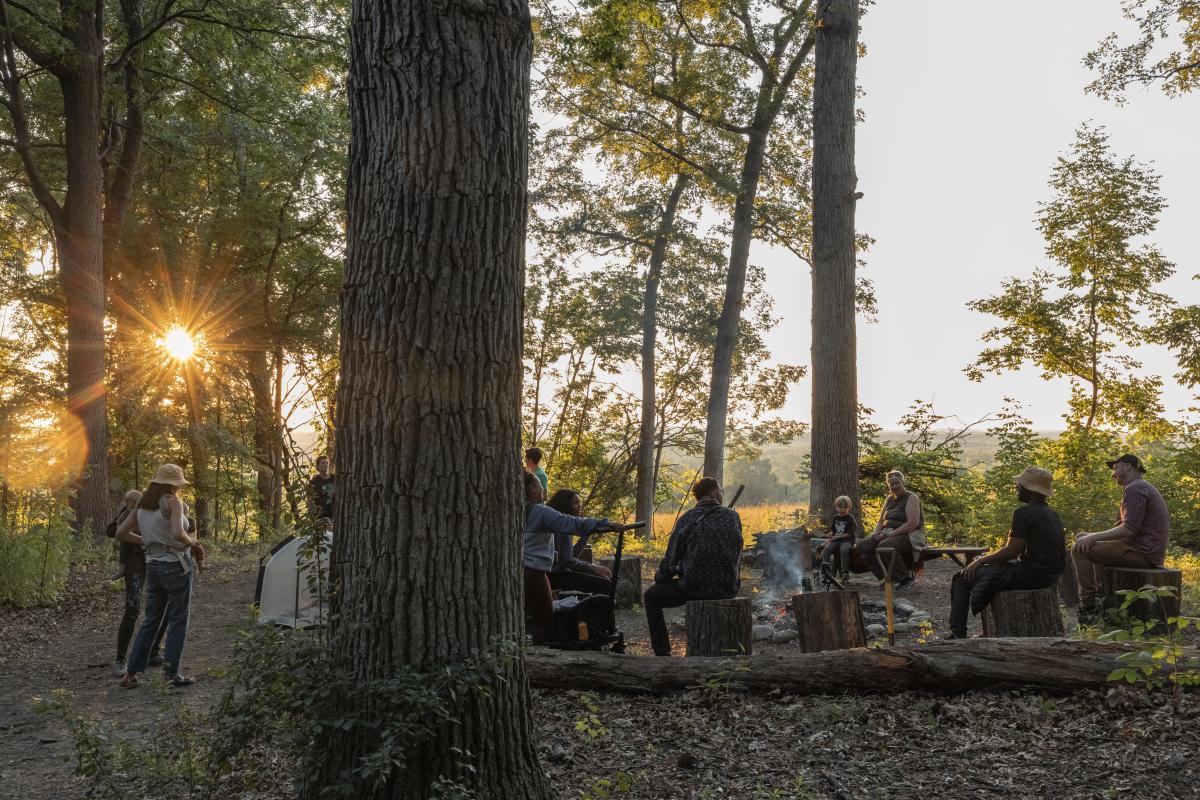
1035 541
702 561
320 491
133 569
570 573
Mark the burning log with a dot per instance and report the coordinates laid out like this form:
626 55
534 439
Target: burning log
951 665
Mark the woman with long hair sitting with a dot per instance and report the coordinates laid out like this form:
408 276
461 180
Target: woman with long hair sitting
160 526
542 523
570 573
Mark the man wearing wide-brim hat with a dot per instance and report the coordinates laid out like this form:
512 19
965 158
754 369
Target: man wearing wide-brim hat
1139 541
1033 557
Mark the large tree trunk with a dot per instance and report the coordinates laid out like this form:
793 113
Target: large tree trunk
952 665
646 476
834 360
429 495
258 376
80 241
731 309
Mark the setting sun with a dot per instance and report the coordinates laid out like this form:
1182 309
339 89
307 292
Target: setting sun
178 343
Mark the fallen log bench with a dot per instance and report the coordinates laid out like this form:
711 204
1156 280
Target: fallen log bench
629 582
1115 579
1023 613
953 665
719 627
828 621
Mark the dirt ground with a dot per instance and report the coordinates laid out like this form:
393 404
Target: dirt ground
1001 744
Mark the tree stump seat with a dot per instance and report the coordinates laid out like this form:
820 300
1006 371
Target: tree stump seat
829 621
629 582
1024 612
719 627
1116 579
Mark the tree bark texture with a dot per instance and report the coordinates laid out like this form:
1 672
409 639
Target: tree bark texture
1025 613
629 581
731 310
719 627
829 621
80 241
428 505
1116 579
834 184
646 472
950 665
258 376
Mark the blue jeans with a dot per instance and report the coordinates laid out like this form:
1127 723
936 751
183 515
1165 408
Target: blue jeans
135 584
169 595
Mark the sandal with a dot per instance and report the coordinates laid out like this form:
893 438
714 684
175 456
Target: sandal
130 681
181 680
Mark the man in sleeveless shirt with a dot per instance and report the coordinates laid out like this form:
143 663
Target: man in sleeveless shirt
901 516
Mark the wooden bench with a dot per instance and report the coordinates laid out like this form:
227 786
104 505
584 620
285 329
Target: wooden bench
1115 579
1028 612
719 627
959 555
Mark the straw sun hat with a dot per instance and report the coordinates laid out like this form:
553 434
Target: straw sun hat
1036 479
169 474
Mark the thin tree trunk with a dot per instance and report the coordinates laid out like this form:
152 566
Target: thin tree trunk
646 476
277 478
258 376
731 309
834 341
201 474
429 400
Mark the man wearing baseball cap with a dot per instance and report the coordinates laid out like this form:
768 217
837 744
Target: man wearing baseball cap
1033 558
1139 541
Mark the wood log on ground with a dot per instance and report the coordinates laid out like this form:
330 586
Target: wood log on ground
950 665
829 621
629 582
719 627
1023 613
1068 583
1115 579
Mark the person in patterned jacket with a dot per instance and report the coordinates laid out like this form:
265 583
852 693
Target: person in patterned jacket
701 563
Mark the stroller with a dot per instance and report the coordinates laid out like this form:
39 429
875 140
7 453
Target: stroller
588 621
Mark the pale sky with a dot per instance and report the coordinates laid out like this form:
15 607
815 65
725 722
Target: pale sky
967 104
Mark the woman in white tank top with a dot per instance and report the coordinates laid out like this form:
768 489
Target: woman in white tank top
160 526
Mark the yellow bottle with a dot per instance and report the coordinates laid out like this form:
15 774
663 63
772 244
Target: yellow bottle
583 631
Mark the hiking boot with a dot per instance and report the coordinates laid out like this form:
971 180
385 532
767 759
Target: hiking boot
155 660
119 668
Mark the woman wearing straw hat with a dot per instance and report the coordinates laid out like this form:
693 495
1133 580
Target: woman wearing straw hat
161 522
1033 558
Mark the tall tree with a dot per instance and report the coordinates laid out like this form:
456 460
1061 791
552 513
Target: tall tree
1074 321
834 196
429 495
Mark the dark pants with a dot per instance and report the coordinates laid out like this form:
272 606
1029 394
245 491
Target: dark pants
169 598
898 542
569 580
539 603
668 594
1010 576
135 586
837 555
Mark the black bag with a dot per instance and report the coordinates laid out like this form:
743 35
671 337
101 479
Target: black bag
111 529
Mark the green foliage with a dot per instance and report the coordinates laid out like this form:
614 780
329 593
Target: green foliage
38 547
621 783
1158 662
1145 60
589 725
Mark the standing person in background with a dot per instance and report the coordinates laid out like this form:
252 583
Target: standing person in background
320 491
133 571
170 568
702 561
1139 540
533 461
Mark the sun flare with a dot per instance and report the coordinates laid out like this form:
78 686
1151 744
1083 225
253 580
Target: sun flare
178 343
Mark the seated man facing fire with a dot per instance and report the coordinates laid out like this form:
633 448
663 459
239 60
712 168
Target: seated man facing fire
701 563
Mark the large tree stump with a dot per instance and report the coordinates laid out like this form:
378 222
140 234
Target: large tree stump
1030 612
1068 583
1115 579
718 627
629 582
829 621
